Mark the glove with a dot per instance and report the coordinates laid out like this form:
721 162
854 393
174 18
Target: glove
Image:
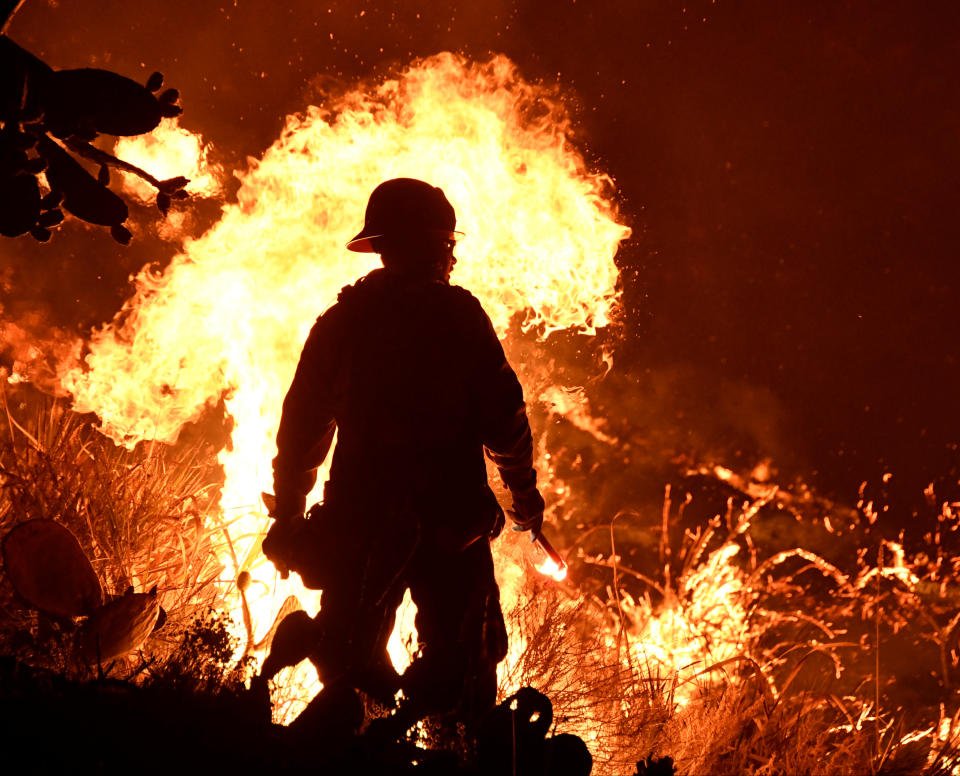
280 542
527 512
284 508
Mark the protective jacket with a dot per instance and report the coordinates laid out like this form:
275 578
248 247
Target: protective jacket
410 375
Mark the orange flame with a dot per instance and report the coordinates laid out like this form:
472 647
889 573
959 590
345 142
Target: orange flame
228 316
553 569
167 152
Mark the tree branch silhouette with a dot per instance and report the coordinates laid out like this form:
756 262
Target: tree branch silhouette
47 118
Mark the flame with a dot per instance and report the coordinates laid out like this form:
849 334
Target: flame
553 569
552 565
689 633
37 352
402 645
227 318
167 152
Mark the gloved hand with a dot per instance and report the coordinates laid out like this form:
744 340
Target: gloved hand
284 507
280 542
527 512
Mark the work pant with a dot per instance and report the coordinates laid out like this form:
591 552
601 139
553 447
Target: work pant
459 622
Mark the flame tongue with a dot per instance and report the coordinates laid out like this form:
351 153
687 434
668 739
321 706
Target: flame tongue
168 152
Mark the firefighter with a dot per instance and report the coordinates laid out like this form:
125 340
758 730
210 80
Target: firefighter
409 373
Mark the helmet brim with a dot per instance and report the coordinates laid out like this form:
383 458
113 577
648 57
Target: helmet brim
363 242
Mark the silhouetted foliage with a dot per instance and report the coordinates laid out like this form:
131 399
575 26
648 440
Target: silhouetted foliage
47 117
656 766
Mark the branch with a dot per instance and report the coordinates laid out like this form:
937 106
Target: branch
102 157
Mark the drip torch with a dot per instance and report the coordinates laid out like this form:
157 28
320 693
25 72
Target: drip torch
553 566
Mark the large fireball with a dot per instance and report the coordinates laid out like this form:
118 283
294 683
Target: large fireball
229 315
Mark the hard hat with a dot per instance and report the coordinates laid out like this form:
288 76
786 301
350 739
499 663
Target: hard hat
405 206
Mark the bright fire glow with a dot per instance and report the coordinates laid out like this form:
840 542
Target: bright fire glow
167 152
553 569
402 645
690 632
228 316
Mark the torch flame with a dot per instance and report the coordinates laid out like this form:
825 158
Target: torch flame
553 569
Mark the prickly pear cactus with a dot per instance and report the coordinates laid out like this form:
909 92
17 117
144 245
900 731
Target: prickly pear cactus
118 627
47 117
49 570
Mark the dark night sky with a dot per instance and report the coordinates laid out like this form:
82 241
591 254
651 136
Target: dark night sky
790 169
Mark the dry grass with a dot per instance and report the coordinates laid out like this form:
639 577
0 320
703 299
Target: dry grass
736 724
821 681
815 680
143 517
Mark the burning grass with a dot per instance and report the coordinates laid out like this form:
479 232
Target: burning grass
768 638
721 646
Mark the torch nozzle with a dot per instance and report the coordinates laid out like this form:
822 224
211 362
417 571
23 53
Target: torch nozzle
554 566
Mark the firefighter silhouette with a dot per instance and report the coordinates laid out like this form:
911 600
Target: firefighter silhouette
408 371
